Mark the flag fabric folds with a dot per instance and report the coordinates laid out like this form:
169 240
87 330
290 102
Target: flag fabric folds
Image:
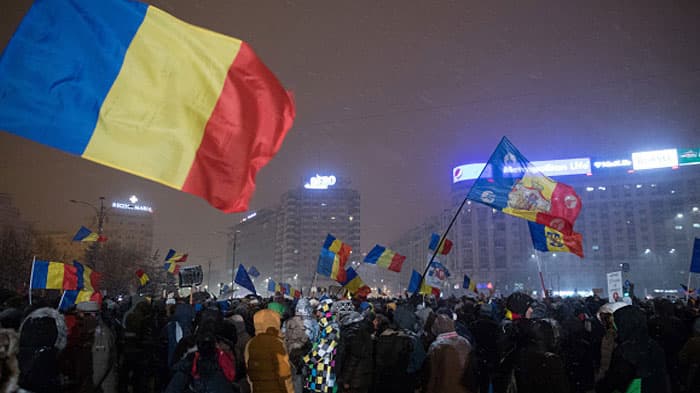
272 286
253 272
548 239
243 279
88 279
384 257
153 96
415 285
352 282
511 184
75 296
695 261
172 267
469 284
437 274
86 235
173 256
53 275
143 277
445 247
334 255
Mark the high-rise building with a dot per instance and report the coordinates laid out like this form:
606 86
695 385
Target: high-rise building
640 214
256 239
131 224
284 242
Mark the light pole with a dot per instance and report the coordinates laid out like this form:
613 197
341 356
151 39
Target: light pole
100 213
233 268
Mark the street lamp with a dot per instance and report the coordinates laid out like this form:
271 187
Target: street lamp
100 213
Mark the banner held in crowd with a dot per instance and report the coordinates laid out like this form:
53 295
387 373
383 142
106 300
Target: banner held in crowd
154 96
437 275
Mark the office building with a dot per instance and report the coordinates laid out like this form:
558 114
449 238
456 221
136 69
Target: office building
129 223
640 214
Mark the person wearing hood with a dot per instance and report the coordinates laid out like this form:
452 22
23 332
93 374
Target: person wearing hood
42 337
266 357
486 336
298 336
319 363
607 345
239 350
394 348
9 366
538 369
447 359
354 360
637 363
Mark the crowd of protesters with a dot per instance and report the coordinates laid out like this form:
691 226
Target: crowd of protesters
323 344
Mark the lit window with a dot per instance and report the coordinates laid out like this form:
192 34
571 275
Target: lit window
639 186
695 209
672 251
679 227
679 215
696 225
595 248
333 218
673 191
590 188
602 188
350 218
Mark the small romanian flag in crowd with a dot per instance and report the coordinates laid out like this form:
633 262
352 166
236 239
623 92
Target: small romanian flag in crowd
425 289
334 256
88 279
73 297
547 239
511 184
126 85
86 235
143 277
469 284
53 275
445 247
171 261
384 257
352 282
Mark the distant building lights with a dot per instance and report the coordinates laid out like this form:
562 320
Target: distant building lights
679 227
590 189
696 225
679 215
602 188
647 251
639 186
695 209
350 218
319 182
672 251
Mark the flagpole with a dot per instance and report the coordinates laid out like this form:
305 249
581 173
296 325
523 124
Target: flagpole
539 270
687 292
31 279
442 240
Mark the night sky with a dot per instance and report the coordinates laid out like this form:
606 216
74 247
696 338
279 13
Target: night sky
393 94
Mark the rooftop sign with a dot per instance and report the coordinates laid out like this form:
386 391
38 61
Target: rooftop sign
319 182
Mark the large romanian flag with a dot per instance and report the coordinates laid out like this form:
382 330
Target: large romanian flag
511 184
334 256
384 257
126 85
548 239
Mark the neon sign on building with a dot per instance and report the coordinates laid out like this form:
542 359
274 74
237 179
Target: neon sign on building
319 182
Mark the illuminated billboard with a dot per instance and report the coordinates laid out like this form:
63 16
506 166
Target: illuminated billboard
667 158
689 156
618 163
570 166
319 182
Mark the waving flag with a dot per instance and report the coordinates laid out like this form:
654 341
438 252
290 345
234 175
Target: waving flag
86 235
53 275
272 286
547 239
334 256
384 257
173 256
511 184
126 85
88 279
469 284
437 274
253 272
445 247
352 282
243 279
415 286
75 296
143 277
695 260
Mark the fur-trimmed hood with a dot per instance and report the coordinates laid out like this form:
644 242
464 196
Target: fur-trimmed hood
61 330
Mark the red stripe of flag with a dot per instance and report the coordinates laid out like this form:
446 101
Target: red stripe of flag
244 132
70 277
396 262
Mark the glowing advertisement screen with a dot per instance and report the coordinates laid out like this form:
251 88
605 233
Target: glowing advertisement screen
667 158
571 166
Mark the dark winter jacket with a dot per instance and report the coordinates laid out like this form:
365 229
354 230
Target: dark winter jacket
538 369
447 359
43 335
636 356
354 358
392 355
201 374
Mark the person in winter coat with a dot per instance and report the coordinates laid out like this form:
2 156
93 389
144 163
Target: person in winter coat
354 358
239 350
319 363
486 336
447 359
210 368
9 366
538 369
42 336
670 333
266 358
689 360
393 348
637 359
607 345
298 342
